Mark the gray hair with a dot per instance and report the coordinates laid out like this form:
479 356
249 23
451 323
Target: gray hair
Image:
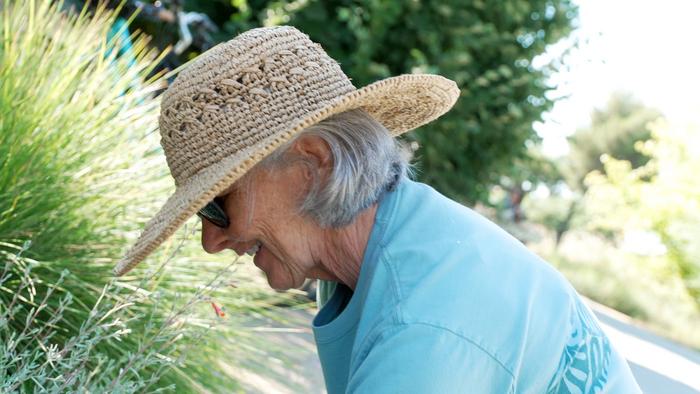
367 161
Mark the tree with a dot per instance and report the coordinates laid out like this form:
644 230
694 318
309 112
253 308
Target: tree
614 131
662 196
526 174
487 47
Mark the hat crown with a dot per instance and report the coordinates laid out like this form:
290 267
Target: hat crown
244 92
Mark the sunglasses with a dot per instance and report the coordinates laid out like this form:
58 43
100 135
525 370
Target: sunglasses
214 212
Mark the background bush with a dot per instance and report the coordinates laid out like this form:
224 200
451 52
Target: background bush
624 218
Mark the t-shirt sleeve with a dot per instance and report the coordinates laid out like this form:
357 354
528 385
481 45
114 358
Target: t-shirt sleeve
421 358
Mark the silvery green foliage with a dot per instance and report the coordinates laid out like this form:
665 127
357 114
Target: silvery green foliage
32 359
80 172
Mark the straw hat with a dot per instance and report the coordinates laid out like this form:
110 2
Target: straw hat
237 102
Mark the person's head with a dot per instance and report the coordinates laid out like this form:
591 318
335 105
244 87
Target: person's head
271 124
319 181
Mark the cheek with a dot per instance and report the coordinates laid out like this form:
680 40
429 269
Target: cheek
267 209
239 216
238 227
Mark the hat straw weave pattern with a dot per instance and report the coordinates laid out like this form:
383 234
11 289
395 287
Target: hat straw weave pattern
239 101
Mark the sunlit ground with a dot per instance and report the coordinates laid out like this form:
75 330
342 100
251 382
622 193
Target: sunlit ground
659 365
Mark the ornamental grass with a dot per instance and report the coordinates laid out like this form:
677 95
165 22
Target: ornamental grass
80 172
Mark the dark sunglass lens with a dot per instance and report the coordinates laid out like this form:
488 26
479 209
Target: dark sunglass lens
215 214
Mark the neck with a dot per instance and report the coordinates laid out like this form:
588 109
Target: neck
345 248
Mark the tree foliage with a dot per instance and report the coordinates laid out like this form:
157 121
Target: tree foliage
614 131
487 47
662 196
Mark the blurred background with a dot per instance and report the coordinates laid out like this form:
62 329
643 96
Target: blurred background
577 130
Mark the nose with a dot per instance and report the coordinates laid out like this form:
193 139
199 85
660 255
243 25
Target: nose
214 238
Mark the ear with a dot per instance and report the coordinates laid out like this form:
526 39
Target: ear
315 150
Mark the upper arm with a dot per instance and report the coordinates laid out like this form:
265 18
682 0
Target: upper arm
420 358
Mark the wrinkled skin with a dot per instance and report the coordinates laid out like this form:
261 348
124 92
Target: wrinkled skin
262 208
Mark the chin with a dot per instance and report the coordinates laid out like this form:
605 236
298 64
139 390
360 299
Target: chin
282 285
278 285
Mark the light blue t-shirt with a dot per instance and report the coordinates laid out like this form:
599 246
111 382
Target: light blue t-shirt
447 302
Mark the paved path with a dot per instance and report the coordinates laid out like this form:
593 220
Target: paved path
660 366
292 365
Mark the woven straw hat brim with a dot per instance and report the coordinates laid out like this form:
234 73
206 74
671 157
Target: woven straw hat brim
400 103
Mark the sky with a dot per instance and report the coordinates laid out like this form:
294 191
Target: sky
650 48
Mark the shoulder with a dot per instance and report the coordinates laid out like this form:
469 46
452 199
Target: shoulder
449 267
430 234
445 249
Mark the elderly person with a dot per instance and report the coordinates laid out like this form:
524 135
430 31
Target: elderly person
277 152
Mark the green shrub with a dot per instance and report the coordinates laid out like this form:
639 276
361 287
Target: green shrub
80 173
34 358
